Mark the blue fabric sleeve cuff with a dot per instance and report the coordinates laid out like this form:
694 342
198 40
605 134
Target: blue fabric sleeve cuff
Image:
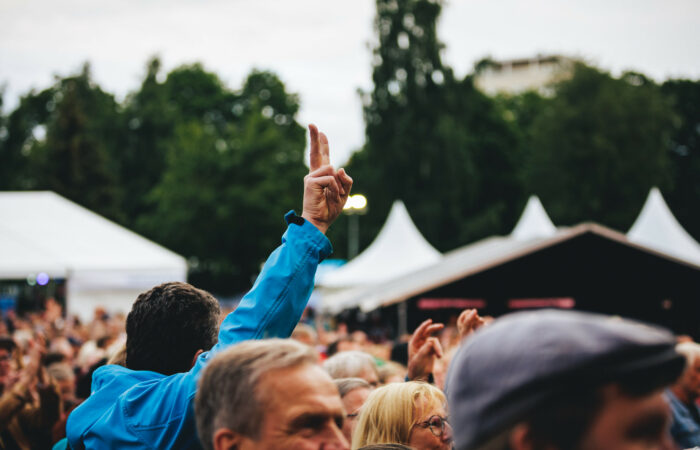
320 239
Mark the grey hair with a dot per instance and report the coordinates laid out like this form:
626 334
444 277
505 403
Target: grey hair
347 385
304 330
227 394
61 371
349 364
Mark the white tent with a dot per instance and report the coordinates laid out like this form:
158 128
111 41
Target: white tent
656 227
532 230
534 222
103 263
533 226
399 248
656 231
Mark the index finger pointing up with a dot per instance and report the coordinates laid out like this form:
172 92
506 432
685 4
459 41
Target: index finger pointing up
315 158
325 150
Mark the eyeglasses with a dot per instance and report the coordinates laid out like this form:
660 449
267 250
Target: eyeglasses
436 424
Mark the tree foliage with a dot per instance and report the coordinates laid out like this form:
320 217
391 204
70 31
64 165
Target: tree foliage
433 141
202 169
598 146
685 153
233 164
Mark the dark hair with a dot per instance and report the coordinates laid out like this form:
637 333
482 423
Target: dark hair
53 358
399 353
167 325
7 343
332 348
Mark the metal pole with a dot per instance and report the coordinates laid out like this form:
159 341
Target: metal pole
403 318
353 235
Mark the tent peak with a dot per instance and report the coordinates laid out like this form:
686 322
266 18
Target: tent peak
399 248
534 222
657 228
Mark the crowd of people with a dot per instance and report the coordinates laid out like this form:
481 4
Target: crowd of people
177 373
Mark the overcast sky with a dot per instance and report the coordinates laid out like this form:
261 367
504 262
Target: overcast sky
319 48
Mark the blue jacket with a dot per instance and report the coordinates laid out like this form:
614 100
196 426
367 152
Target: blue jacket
143 409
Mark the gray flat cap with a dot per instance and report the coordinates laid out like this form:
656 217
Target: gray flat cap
524 359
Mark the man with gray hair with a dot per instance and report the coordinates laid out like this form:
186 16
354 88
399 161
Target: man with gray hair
268 394
353 364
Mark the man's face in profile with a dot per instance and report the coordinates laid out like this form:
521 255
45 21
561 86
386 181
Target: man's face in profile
303 411
629 423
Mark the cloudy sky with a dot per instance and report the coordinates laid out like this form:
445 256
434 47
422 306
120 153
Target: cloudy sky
319 48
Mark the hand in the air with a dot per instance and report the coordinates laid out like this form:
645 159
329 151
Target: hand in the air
325 189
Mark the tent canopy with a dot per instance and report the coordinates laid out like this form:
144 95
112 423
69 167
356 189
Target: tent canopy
399 248
534 222
656 227
44 232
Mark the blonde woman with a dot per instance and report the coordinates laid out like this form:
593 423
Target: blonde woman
412 413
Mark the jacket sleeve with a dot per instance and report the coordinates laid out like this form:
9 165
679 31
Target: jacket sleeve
158 412
277 300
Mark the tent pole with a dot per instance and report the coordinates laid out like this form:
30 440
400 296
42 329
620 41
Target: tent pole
403 318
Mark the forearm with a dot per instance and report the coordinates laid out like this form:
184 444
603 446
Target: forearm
275 303
12 402
44 415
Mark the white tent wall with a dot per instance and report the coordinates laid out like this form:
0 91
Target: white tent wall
83 303
103 263
113 290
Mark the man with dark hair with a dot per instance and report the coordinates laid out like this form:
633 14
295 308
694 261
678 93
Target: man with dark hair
171 329
560 380
168 325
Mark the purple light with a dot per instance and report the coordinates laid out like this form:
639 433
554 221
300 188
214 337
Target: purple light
42 279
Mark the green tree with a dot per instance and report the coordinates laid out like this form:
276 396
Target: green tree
433 141
23 129
224 184
598 146
78 157
149 119
65 139
685 153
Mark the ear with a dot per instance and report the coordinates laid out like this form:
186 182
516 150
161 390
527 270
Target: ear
521 438
196 355
225 439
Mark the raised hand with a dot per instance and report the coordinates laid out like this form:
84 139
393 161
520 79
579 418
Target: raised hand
423 350
325 189
468 322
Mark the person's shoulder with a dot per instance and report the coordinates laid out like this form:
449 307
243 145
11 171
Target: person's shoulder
114 375
136 405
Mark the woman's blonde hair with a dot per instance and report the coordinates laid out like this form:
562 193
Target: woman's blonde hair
391 411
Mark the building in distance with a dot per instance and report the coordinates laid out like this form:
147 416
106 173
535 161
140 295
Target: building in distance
514 76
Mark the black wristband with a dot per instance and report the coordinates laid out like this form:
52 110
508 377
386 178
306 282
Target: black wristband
291 217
